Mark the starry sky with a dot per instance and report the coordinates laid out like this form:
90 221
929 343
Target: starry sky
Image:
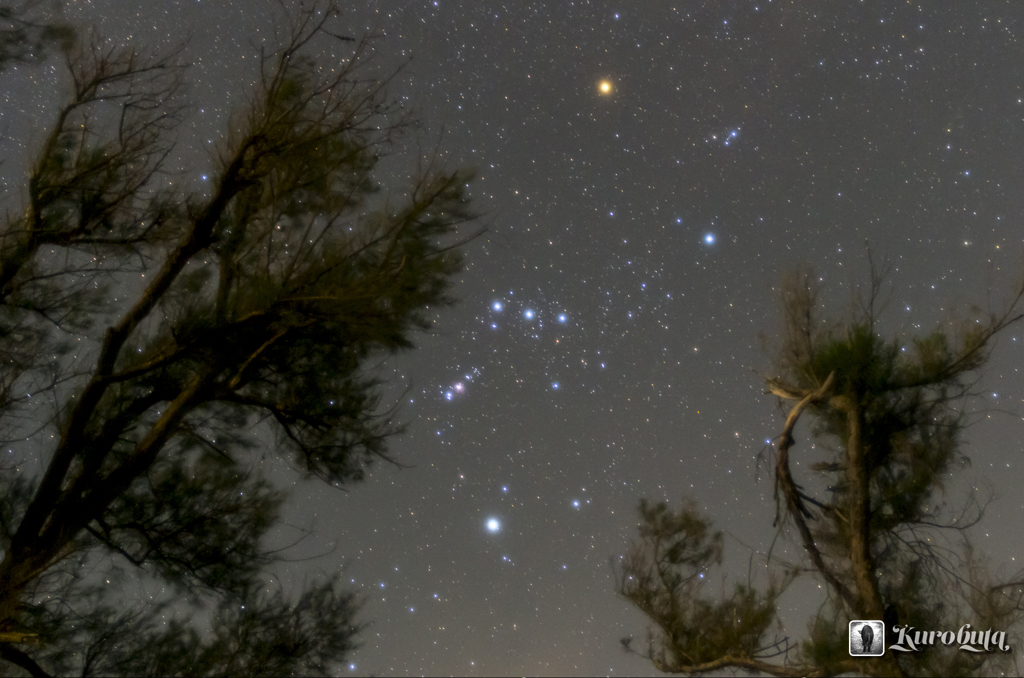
647 171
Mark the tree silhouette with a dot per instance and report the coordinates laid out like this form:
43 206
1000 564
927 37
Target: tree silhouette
152 334
888 415
26 34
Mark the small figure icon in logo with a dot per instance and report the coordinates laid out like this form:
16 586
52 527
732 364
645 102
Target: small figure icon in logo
867 638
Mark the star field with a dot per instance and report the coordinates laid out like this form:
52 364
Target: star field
646 173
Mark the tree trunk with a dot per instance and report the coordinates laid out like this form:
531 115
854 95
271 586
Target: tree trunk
861 562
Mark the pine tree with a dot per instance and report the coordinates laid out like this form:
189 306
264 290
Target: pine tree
253 309
888 416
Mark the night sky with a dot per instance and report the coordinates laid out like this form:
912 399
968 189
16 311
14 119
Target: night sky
647 171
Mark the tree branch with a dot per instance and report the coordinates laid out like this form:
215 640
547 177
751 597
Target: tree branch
19 658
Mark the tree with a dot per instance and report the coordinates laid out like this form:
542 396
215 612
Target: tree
25 38
253 309
888 416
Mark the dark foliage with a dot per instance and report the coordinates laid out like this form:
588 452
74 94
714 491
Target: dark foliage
253 311
25 36
888 415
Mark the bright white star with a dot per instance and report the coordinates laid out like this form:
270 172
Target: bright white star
493 525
